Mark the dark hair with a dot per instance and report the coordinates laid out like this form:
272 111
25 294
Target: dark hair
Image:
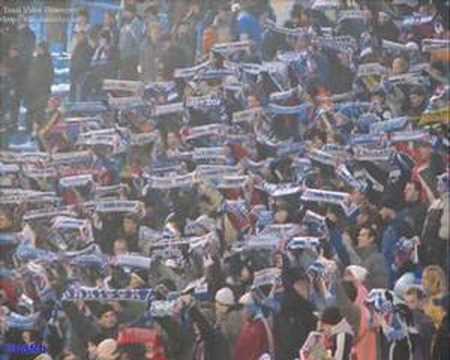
84 13
372 231
350 290
331 315
418 292
198 318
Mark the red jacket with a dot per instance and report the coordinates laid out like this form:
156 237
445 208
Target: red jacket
252 341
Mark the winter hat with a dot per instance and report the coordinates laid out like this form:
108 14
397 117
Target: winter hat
331 316
225 296
106 350
357 271
403 284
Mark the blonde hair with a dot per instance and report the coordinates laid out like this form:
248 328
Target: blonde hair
434 280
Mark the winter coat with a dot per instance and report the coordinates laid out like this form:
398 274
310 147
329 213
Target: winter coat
252 342
426 331
230 327
80 61
292 325
39 81
26 41
375 264
130 38
148 60
441 343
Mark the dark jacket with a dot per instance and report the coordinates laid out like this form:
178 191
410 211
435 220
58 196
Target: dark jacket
426 330
373 261
80 61
292 325
25 41
40 79
441 343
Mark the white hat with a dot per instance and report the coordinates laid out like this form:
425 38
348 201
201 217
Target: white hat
358 272
225 296
403 284
106 350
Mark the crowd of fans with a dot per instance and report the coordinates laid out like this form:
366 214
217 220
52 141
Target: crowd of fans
220 185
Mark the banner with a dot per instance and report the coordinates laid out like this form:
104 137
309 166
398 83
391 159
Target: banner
246 116
276 190
207 172
142 139
345 175
209 154
24 157
122 85
325 196
361 153
304 243
119 206
342 43
413 135
390 125
167 109
76 181
272 26
202 102
267 276
107 295
430 45
170 182
322 157
229 182
371 69
202 131
191 71
132 261
230 47
126 102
